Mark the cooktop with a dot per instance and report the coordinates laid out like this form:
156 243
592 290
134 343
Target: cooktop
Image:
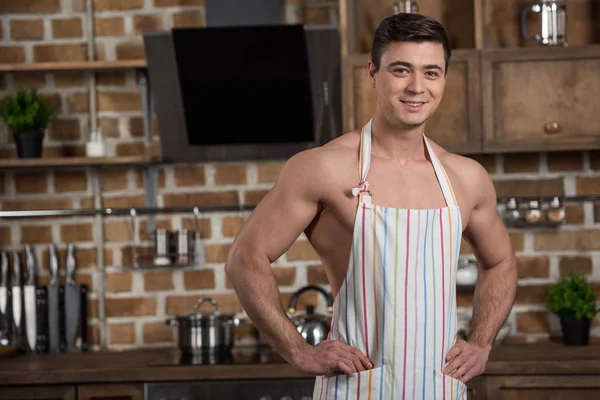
235 356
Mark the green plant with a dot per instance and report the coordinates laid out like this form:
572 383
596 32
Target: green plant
26 110
572 297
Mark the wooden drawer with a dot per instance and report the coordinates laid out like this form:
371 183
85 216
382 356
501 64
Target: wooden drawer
456 124
539 100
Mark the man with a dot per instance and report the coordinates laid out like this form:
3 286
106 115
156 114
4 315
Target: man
385 208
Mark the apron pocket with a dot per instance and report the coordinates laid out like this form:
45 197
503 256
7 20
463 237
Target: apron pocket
455 389
367 383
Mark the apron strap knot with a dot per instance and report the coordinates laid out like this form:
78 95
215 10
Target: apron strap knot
360 188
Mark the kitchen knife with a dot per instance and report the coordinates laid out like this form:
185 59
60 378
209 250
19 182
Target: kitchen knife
4 323
16 296
30 299
53 308
72 299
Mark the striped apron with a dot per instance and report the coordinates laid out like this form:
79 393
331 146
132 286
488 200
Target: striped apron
397 303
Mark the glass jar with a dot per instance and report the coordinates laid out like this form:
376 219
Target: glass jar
533 213
556 212
511 211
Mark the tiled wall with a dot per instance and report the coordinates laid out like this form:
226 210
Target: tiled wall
138 303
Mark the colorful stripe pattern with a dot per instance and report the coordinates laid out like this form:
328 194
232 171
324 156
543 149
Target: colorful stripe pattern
397 303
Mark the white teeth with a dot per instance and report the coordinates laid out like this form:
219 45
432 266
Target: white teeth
413 104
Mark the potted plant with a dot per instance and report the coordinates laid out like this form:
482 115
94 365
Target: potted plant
573 300
28 115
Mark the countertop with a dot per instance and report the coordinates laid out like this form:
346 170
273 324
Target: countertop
157 365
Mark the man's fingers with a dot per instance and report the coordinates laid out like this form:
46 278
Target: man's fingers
454 351
366 363
346 367
454 364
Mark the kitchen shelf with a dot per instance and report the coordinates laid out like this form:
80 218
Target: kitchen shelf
152 267
540 224
74 66
70 162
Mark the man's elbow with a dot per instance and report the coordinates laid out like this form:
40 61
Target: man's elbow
240 256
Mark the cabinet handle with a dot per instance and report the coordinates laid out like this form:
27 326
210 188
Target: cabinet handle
552 127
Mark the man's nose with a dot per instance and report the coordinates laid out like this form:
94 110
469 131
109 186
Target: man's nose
416 84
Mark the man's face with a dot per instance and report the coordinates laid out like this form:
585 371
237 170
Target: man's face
410 82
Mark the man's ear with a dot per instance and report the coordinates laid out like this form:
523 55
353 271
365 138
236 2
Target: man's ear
372 73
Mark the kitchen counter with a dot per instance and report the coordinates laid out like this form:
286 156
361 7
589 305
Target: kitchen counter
161 366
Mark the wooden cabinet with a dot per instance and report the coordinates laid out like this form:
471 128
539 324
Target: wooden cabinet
540 100
573 387
456 124
41 392
111 392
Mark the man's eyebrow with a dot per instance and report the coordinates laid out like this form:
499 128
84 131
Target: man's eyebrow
409 65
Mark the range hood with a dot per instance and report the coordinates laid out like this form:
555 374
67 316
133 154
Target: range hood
246 92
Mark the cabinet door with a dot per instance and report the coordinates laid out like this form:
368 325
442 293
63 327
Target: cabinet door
111 392
37 393
540 99
456 124
267 389
572 387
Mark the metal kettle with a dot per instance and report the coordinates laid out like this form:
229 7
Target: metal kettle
314 328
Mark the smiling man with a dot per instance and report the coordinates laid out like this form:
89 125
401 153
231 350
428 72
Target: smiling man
385 208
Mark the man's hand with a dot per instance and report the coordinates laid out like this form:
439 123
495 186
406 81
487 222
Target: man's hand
331 357
466 360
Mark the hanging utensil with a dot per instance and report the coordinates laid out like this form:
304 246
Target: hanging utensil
4 322
53 307
17 297
30 299
72 299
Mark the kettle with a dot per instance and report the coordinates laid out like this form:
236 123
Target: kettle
314 328
553 22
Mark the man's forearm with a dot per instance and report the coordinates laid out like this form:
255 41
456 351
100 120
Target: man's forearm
492 302
257 290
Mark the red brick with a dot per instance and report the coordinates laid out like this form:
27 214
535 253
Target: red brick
31 182
199 279
301 250
70 181
130 51
157 332
27 29
578 265
529 187
521 162
253 197
204 226
269 172
230 174
565 161
114 180
36 234
190 175
144 23
533 267
67 28
59 52
229 198
12 54
316 275
78 102
230 226
110 27
587 186
80 232
109 127
117 5
216 253
37 204
533 322
119 101
176 3
158 281
64 129
122 333
188 19
27 80
118 282
130 306
30 7
112 78
69 79
567 240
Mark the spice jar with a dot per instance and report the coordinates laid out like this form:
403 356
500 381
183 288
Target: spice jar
556 212
511 212
533 213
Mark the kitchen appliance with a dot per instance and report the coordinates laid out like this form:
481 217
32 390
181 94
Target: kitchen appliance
72 299
5 319
30 299
292 70
553 22
205 331
162 246
314 328
184 246
405 6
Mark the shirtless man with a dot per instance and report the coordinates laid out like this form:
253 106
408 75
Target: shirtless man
385 208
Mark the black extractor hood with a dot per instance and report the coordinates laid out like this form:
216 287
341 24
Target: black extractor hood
236 90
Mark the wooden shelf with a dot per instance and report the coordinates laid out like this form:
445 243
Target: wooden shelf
74 66
70 162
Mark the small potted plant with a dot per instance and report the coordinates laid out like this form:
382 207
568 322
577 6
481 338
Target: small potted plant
573 300
28 115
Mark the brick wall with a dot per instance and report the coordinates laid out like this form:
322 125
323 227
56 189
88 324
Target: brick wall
137 303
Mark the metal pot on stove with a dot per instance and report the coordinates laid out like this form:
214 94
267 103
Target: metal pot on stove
314 328
205 331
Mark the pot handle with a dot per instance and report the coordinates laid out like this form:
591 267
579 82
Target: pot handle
203 300
172 322
292 307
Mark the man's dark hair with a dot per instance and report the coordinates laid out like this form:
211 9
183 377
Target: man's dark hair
408 27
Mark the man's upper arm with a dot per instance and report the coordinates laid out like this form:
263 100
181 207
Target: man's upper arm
285 211
486 232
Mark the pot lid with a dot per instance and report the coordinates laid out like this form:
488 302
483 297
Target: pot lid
215 313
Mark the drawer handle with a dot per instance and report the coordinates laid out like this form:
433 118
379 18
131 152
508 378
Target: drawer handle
552 127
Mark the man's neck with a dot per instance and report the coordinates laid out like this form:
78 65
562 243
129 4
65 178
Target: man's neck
401 144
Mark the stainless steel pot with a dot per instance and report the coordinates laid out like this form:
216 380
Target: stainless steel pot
205 331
